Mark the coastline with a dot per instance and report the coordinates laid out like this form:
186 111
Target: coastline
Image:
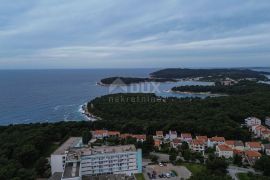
198 93
83 110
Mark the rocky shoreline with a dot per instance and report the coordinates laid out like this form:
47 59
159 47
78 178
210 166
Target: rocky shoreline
87 114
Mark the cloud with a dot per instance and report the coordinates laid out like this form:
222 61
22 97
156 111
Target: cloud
98 33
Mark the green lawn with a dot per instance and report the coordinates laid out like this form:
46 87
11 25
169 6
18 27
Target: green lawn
194 168
139 176
245 176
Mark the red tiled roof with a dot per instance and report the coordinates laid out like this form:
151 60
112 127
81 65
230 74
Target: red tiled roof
218 139
159 133
239 152
139 136
230 142
254 144
224 147
100 132
204 138
113 133
253 154
197 142
176 141
186 135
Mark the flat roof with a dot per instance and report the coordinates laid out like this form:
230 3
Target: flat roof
71 142
72 170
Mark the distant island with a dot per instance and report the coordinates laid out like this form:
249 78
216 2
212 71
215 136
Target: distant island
176 74
132 80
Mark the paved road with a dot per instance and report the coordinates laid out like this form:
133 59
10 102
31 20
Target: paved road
234 170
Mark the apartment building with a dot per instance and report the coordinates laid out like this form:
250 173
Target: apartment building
81 161
215 141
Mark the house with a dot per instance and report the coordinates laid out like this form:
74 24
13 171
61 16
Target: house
157 143
186 137
251 121
159 135
113 133
172 135
215 141
203 138
252 156
265 134
197 145
266 149
139 137
176 143
100 134
237 145
253 146
257 130
230 143
267 121
225 151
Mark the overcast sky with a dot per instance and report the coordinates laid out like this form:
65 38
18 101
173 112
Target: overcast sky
134 33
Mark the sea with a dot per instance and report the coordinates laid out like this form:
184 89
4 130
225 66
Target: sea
31 96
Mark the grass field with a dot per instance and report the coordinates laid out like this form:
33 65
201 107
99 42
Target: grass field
194 168
139 176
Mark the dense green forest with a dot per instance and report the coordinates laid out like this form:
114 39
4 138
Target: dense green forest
24 148
131 80
241 88
209 74
211 116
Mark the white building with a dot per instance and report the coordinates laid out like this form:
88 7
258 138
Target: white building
215 141
254 146
186 137
197 146
58 158
267 121
252 121
86 161
171 136
224 151
266 149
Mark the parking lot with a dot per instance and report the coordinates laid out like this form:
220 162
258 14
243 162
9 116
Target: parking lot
166 171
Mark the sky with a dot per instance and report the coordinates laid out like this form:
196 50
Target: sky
134 33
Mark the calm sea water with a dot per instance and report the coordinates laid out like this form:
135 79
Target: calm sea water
28 96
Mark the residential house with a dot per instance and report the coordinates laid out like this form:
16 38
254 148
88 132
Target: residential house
267 121
138 137
157 143
159 135
176 143
252 156
215 141
203 138
237 145
225 151
257 130
266 149
253 146
186 137
113 133
265 134
251 121
197 145
171 136
100 134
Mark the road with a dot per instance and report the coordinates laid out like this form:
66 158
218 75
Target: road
234 170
